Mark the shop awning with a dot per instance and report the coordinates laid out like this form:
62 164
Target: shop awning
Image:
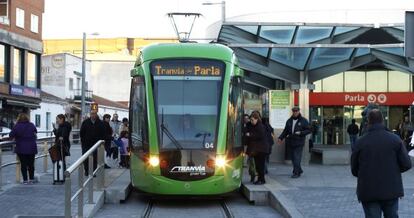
22 104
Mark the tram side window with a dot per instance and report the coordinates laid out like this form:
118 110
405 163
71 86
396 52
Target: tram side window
139 130
235 114
239 113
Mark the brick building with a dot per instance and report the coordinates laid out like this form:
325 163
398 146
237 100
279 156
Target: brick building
20 51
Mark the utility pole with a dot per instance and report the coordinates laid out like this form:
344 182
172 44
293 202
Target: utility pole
83 107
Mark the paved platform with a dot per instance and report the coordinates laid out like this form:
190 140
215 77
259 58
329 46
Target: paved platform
328 191
42 199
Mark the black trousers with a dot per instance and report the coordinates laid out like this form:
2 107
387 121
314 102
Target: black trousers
259 160
296 155
86 162
108 148
27 164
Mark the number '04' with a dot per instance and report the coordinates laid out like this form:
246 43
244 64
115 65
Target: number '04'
209 145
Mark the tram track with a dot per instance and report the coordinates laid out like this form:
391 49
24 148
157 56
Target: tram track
226 209
150 208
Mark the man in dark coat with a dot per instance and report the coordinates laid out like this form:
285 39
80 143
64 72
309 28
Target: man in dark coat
378 161
92 130
296 129
353 131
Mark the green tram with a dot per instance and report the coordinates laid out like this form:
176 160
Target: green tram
185 120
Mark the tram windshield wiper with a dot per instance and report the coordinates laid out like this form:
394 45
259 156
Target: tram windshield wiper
167 132
171 137
204 134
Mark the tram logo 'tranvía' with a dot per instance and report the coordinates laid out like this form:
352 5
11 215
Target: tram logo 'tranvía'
193 170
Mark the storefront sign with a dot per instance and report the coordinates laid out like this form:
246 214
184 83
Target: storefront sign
279 112
94 107
355 98
24 91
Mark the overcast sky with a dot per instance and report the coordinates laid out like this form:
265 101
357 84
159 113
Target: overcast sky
147 18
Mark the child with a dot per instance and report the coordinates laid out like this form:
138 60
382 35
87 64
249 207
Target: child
123 150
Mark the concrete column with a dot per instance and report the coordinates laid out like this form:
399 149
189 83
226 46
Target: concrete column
304 110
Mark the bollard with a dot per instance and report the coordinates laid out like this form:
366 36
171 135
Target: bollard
45 152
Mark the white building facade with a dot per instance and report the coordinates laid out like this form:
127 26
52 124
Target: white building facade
45 116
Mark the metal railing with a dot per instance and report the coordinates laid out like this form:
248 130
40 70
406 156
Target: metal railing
44 154
82 184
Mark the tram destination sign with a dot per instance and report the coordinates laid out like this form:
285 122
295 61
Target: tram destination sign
203 68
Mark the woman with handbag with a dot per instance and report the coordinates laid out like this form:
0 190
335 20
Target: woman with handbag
24 133
62 134
259 145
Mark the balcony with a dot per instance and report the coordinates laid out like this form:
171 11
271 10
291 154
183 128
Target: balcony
76 95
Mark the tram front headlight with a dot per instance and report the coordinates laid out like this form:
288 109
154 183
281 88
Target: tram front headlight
221 161
154 161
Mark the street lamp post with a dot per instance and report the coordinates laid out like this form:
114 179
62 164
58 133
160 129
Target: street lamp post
83 77
83 103
223 8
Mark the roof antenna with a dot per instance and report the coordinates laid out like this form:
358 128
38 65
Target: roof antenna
182 35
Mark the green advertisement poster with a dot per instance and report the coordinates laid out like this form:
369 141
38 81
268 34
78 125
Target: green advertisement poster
279 99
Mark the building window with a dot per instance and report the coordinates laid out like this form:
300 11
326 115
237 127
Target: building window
31 69
70 83
20 18
398 81
377 81
17 67
333 83
4 12
3 8
2 62
318 86
78 83
37 120
355 81
34 23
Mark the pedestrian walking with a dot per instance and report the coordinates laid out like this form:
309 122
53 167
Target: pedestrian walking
124 125
294 134
123 150
108 137
62 133
24 133
270 140
115 124
245 140
353 131
92 130
378 160
259 146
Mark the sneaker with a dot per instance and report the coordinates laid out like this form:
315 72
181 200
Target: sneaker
252 178
294 176
30 182
259 182
25 183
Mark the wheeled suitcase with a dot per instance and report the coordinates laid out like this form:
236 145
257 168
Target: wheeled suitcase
59 167
58 172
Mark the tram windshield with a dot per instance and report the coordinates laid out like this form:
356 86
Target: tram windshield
187 107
